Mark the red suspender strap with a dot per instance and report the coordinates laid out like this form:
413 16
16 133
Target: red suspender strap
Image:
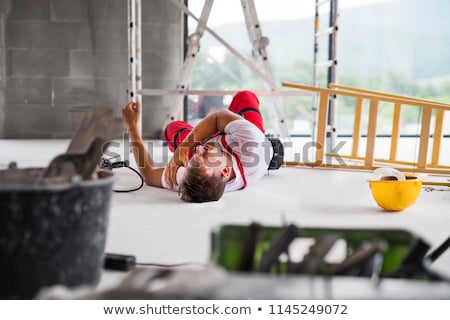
241 169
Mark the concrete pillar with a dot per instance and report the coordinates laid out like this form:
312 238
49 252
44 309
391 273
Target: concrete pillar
162 50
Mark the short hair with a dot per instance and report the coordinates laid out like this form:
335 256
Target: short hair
197 186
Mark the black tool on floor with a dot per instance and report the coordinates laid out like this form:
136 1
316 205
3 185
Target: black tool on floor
412 264
249 246
439 250
118 262
416 264
363 261
279 245
313 260
107 164
278 152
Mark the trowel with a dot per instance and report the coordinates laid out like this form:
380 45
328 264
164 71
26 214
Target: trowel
92 138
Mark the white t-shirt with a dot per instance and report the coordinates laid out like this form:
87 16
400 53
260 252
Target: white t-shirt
250 148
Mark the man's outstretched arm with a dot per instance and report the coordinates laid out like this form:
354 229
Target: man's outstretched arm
151 174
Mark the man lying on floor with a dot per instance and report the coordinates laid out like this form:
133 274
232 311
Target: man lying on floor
226 151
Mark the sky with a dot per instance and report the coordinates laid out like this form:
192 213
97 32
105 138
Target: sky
227 11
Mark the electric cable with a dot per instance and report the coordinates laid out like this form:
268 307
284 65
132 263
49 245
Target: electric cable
173 265
125 262
107 164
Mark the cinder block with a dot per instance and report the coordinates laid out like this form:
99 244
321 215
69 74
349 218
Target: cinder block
48 35
110 36
155 65
71 92
5 7
159 37
82 93
159 83
111 93
71 11
27 34
71 36
35 121
37 63
30 10
154 111
160 11
28 91
82 64
2 121
111 64
19 35
110 10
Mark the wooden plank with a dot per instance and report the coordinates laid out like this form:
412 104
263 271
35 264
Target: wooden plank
321 127
424 138
388 95
371 132
371 96
395 131
437 136
357 126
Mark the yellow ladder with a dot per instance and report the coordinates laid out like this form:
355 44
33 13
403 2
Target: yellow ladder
375 97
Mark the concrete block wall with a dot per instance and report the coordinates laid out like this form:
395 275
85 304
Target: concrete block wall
162 56
59 57
4 9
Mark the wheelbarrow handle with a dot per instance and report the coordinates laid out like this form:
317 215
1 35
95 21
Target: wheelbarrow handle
439 250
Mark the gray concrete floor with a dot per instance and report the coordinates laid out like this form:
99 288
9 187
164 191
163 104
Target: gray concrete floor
157 227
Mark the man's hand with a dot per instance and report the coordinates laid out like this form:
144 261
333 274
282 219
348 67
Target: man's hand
214 122
180 158
131 114
152 175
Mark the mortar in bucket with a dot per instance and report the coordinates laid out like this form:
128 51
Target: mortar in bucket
51 234
53 221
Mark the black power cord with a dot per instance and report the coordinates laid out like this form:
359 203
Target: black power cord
125 262
109 165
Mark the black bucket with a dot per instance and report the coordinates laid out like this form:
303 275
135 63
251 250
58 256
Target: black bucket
51 234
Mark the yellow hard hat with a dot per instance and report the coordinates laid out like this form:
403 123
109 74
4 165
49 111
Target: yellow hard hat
396 195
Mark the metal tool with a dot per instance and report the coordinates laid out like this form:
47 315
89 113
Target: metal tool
249 246
278 246
313 260
94 134
359 258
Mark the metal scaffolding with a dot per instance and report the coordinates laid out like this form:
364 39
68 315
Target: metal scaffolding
330 64
261 67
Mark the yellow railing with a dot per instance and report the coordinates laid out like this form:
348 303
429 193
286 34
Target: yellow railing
374 97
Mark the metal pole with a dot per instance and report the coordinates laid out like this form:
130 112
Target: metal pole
228 46
138 55
185 49
315 70
190 56
131 49
260 43
332 108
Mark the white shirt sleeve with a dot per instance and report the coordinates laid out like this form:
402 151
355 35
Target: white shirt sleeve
253 149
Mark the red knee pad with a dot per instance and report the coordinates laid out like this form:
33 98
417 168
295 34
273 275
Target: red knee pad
246 104
175 132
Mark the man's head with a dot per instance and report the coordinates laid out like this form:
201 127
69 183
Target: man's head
207 174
